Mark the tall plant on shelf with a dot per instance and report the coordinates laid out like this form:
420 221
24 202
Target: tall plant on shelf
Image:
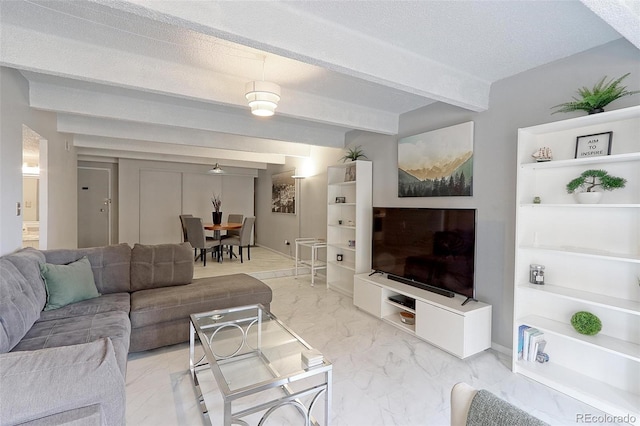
593 100
353 154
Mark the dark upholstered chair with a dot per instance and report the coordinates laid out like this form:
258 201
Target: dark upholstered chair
195 235
244 239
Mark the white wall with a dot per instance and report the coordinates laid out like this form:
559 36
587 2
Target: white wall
520 101
311 220
152 194
61 212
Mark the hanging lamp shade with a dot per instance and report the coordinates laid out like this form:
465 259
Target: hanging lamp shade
263 97
216 169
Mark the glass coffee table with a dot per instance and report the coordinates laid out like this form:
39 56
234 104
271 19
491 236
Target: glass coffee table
261 368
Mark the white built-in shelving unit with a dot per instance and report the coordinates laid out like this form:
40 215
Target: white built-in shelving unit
355 213
591 253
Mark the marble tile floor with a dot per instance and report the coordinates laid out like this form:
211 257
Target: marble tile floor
264 263
381 375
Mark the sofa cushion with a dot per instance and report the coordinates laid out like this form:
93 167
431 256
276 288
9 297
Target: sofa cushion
204 294
28 261
161 265
19 306
78 330
92 415
488 409
110 264
114 302
39 384
68 283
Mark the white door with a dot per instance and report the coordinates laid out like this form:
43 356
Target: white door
94 202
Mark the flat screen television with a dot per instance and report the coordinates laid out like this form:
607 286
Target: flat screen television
428 248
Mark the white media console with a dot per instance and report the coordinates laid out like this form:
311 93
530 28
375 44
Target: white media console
442 321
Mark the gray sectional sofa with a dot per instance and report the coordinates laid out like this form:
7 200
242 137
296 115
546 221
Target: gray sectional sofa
68 365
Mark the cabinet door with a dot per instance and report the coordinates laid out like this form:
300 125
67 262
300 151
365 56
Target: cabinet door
440 327
367 297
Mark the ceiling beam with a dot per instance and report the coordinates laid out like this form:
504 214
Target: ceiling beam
269 26
118 129
206 155
104 102
46 52
620 16
90 154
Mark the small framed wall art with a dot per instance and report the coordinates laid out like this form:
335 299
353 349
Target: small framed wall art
350 173
595 145
340 200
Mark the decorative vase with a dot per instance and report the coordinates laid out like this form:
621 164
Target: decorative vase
588 197
217 218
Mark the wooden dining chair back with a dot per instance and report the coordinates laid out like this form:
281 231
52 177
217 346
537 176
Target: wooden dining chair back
244 239
195 236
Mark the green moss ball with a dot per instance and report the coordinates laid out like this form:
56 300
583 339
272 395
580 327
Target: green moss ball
586 323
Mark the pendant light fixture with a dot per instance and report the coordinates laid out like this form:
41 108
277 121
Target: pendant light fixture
216 169
263 96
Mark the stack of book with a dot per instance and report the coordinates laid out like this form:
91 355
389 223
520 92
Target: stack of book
311 358
530 343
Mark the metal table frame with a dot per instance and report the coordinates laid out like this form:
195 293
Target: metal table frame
209 361
314 244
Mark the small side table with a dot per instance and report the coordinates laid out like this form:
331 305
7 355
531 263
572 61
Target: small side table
314 244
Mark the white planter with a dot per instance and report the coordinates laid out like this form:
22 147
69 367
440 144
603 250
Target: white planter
588 197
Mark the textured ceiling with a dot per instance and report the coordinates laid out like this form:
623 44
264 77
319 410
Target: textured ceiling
173 72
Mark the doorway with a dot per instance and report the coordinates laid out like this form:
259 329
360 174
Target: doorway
31 189
94 207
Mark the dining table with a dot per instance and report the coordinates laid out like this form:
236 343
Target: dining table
216 228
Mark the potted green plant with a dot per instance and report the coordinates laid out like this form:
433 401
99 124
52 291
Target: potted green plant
216 214
589 180
595 99
353 154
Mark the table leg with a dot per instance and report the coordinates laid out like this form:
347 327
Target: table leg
314 253
327 400
296 259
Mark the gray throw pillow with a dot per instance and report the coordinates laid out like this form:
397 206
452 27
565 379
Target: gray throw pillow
69 283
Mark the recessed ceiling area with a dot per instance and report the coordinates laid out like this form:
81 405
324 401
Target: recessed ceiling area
166 80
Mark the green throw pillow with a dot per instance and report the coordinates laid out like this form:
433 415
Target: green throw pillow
68 283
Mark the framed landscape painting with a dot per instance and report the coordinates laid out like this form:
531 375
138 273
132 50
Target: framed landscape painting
437 163
283 192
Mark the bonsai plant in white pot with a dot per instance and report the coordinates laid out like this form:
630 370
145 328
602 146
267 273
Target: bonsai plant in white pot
589 181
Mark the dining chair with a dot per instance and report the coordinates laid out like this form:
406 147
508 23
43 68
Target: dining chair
244 239
234 218
185 238
195 234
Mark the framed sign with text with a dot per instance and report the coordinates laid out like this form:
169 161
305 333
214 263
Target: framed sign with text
595 145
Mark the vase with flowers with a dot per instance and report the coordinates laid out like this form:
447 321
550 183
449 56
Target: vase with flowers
217 214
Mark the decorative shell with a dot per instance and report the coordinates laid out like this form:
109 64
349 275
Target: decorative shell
543 154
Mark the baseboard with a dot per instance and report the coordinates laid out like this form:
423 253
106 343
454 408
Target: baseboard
501 349
275 251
